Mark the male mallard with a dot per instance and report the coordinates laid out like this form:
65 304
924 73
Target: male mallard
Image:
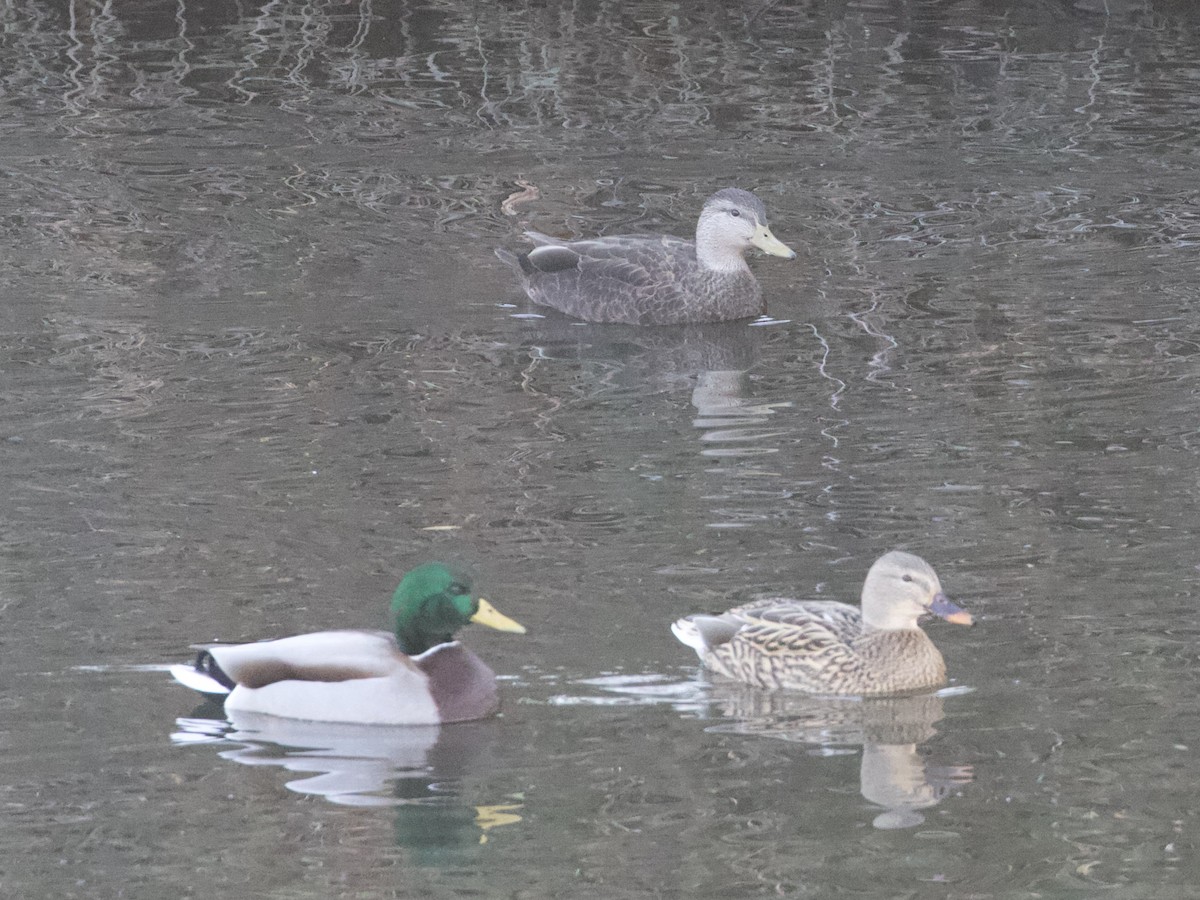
651 279
825 647
419 675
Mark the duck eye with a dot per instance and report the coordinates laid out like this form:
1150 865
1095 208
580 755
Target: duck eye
735 213
456 588
906 577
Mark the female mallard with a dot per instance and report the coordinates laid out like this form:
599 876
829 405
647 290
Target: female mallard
651 279
419 675
825 647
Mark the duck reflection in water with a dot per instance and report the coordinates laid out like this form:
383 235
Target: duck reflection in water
414 769
894 774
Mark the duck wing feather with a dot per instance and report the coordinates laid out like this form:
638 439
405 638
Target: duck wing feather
638 260
778 642
804 653
634 279
328 656
843 621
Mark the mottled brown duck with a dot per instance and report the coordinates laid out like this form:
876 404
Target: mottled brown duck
831 648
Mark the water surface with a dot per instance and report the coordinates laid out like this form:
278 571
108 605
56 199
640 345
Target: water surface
258 358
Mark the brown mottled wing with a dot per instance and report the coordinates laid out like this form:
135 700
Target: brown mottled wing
786 644
844 621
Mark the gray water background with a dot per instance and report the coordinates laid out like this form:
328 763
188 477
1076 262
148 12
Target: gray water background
258 358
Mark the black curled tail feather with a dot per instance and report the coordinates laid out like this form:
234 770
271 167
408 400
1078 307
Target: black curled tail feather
205 664
544 260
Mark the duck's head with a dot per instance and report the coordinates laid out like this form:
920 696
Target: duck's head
900 589
432 603
731 222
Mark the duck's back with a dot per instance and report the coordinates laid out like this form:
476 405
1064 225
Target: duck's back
635 279
318 656
823 647
842 620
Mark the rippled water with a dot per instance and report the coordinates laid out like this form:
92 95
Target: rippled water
258 358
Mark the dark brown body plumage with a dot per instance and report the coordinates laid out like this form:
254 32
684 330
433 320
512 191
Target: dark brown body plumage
648 279
637 279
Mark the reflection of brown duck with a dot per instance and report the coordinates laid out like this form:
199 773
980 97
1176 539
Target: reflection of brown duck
824 647
893 774
896 776
649 279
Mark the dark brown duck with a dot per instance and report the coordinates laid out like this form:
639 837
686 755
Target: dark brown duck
652 279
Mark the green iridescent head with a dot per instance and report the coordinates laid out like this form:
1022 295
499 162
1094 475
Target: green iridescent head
432 602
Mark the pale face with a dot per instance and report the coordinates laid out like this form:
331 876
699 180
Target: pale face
902 587
730 224
725 229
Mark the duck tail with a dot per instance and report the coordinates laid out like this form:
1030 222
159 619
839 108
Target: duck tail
204 676
518 262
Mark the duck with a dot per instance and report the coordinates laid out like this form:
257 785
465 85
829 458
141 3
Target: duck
831 648
652 279
417 674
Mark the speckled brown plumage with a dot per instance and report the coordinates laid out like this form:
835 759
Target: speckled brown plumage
825 647
793 654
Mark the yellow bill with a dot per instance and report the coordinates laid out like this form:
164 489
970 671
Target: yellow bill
490 616
768 243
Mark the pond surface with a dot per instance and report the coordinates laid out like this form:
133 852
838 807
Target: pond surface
258 359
